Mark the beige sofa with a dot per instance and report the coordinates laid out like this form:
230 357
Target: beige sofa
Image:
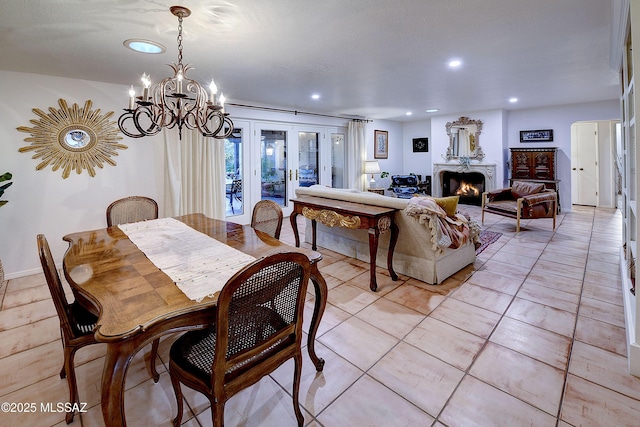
416 253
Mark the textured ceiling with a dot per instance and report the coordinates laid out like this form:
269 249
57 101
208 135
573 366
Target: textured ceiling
371 58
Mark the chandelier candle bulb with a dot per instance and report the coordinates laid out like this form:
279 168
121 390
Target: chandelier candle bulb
179 85
146 83
222 100
214 89
132 98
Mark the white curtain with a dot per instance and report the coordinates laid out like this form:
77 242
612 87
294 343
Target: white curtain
356 156
194 174
465 143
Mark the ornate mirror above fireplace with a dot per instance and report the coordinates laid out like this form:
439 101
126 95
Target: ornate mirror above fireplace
464 139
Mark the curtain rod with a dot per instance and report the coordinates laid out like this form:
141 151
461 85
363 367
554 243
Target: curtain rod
296 112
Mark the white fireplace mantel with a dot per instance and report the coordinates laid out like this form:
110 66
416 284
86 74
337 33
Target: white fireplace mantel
486 169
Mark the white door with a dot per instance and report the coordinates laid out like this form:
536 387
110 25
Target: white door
308 167
584 163
270 178
236 153
286 157
338 160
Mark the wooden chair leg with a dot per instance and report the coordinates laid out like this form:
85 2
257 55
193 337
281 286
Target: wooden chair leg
152 362
69 353
518 212
175 382
297 373
63 372
217 413
484 196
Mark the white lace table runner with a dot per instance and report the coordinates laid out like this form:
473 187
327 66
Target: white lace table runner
198 264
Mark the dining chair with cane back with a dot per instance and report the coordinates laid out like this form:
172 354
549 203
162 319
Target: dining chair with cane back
76 323
131 209
267 217
134 209
256 327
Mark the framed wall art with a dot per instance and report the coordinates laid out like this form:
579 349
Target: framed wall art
73 138
381 144
543 135
420 145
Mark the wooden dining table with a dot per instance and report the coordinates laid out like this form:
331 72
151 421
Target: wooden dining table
137 303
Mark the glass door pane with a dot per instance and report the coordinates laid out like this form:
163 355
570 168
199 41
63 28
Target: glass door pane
338 163
308 158
273 166
233 160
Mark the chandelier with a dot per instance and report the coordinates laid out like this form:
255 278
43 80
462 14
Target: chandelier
175 102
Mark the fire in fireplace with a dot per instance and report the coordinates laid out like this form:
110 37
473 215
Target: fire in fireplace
469 186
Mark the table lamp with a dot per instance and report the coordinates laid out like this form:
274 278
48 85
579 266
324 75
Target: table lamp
371 167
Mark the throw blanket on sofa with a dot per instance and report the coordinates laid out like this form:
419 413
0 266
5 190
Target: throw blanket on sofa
446 232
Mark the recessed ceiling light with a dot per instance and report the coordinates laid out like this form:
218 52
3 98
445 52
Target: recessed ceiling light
144 46
432 110
408 113
513 100
315 96
455 63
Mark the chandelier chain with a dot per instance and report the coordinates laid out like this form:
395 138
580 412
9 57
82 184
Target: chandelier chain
180 40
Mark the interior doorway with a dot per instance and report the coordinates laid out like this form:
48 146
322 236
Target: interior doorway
584 163
593 170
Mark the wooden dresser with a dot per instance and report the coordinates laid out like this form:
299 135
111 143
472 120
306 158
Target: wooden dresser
536 165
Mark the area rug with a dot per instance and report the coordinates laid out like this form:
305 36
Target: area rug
486 238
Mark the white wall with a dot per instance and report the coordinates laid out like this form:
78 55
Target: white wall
606 166
418 163
44 202
490 139
560 119
501 130
393 164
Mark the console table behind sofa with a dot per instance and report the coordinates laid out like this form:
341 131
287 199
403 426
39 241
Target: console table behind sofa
414 254
337 213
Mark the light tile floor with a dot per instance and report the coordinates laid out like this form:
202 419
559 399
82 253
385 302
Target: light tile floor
531 335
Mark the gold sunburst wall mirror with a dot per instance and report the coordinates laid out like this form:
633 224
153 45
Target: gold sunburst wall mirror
73 138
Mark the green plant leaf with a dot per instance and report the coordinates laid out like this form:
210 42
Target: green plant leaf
5 177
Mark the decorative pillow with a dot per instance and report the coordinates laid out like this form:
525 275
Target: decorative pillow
421 205
449 204
524 188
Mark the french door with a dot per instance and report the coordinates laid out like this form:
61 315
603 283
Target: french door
270 160
238 188
338 177
287 157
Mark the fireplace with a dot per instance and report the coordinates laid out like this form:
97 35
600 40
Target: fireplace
486 170
468 185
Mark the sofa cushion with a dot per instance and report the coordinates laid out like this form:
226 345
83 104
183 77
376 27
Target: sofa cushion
351 195
449 204
509 207
523 188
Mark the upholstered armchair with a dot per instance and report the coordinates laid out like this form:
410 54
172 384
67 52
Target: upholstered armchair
523 200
